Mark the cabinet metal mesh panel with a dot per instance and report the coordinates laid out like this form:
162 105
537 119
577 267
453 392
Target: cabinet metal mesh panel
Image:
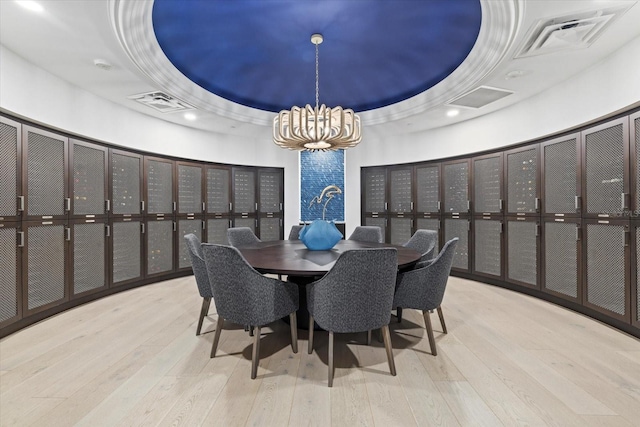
561 258
88 257
488 247
560 188
45 175
245 222
126 251
88 181
217 231
160 246
189 189
244 191
374 191
400 195
636 137
269 229
456 188
46 267
269 192
522 254
458 228
427 189
637 269
429 224
218 190
605 170
605 267
522 181
487 184
8 274
187 226
8 169
159 187
400 230
378 222
125 184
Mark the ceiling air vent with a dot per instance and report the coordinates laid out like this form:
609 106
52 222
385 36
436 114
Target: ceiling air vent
568 32
479 97
161 102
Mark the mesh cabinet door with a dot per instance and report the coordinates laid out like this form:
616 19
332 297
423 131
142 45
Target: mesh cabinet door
606 169
458 227
45 164
428 189
377 222
606 269
487 184
560 172
88 181
430 224
217 231
270 229
9 274
89 257
400 190
46 264
189 189
159 186
270 185
244 191
126 257
400 230
187 226
218 193
522 252
561 257
126 174
456 187
160 246
488 247
374 182
245 222
10 137
522 181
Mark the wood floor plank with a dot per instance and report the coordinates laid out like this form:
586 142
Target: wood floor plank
466 404
312 398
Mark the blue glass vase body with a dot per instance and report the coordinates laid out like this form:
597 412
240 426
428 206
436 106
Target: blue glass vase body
320 235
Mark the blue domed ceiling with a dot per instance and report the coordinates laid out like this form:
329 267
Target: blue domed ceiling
258 53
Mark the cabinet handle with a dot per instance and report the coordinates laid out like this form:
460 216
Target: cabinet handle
537 230
578 202
501 204
439 221
280 206
256 206
385 206
142 205
624 199
107 205
203 207
438 205
468 205
21 239
142 227
203 225
174 226
501 227
67 232
626 236
174 206
21 203
108 230
67 204
537 203
578 234
412 206
230 206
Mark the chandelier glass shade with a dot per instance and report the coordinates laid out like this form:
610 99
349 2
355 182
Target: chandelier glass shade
319 128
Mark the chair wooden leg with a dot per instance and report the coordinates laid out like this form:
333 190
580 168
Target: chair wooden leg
369 337
387 345
204 310
256 353
293 321
399 314
429 328
310 349
250 328
216 337
330 359
444 326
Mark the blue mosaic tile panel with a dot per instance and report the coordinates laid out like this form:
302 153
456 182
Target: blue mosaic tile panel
319 169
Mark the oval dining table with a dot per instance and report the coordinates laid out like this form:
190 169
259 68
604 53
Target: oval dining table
303 266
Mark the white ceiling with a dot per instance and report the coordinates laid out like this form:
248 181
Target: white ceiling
68 36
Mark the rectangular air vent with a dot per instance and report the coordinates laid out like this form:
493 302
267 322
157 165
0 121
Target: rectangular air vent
162 102
568 32
479 97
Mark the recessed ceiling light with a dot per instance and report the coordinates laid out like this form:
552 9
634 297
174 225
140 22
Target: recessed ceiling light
190 116
102 64
515 74
453 113
31 5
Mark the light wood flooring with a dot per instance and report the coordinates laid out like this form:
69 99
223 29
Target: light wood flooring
133 359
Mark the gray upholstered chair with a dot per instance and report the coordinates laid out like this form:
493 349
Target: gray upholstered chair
355 296
294 234
367 233
200 273
239 236
423 288
246 297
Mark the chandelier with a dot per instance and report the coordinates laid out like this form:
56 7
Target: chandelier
319 128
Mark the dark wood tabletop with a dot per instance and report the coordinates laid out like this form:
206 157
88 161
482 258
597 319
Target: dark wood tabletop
292 257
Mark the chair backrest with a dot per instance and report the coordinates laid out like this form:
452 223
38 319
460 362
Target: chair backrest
423 241
294 234
241 294
367 233
239 236
423 288
198 266
357 293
